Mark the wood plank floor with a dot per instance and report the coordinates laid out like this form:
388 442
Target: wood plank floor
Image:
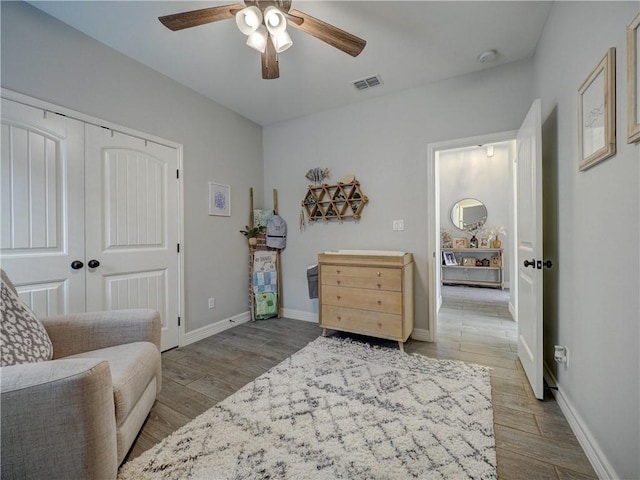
533 440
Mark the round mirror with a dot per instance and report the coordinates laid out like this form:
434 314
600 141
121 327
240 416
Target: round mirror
469 214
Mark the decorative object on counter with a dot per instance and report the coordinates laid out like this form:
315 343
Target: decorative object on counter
317 175
339 201
449 258
469 262
495 233
252 232
445 238
483 242
496 261
460 242
485 262
473 242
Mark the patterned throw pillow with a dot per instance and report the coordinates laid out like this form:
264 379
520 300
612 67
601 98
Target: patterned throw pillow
23 338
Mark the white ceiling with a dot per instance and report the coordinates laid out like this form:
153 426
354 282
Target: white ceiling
409 43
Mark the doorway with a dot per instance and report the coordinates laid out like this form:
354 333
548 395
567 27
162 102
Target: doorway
476 300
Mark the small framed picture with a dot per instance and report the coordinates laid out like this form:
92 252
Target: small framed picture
219 199
496 261
597 113
449 258
469 262
460 243
483 242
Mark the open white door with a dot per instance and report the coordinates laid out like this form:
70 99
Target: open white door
529 257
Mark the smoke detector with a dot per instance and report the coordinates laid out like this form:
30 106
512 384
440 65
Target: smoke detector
488 56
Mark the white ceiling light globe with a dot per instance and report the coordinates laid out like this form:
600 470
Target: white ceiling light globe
249 19
275 20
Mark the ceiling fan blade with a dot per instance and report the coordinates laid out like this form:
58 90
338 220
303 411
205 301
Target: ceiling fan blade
270 67
179 21
334 36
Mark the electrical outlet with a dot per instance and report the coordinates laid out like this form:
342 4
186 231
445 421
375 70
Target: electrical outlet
398 225
212 302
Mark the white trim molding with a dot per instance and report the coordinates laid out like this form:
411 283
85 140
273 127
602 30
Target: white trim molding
300 315
585 438
421 335
221 326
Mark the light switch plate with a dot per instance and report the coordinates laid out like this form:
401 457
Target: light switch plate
398 225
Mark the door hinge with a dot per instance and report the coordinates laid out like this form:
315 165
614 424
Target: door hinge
177 173
178 247
178 321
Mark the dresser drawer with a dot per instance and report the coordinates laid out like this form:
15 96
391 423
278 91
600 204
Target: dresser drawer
362 277
372 323
377 301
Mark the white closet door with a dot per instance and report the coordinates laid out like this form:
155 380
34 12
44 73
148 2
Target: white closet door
132 226
42 207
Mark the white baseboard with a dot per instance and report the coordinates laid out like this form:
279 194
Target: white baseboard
421 335
221 326
592 450
512 311
300 315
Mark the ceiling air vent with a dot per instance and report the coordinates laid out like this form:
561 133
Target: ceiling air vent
368 82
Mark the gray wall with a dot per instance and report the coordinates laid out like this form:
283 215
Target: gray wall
591 234
383 142
46 59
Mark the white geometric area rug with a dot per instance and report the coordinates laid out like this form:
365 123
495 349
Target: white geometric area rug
339 409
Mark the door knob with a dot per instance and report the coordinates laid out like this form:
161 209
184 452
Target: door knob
77 264
547 264
93 263
527 263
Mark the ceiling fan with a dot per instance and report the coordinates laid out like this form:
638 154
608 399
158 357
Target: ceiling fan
264 22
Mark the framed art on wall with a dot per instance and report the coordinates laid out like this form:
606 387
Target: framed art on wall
633 80
219 199
597 113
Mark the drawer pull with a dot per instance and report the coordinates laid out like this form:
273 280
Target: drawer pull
338 297
339 317
379 302
379 324
379 285
338 272
378 273
338 282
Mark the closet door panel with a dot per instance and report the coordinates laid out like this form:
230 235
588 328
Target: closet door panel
132 226
42 207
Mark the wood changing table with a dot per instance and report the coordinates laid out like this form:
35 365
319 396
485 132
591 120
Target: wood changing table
369 292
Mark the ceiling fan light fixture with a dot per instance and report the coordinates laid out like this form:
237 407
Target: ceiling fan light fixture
258 39
275 20
281 41
249 19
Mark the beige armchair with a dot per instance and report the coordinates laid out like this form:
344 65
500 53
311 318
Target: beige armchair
77 415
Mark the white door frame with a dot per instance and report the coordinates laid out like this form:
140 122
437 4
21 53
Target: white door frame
433 212
41 104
